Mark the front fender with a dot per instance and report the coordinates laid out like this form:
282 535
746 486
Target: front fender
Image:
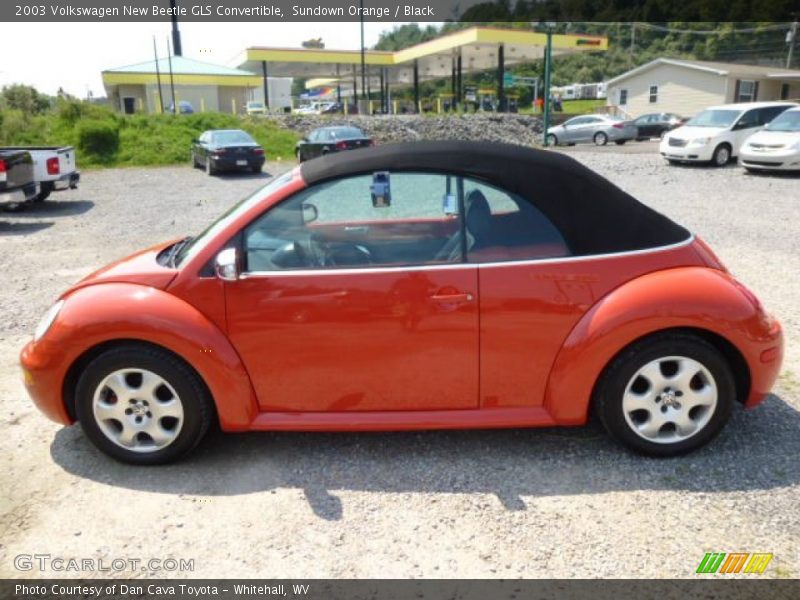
687 297
104 313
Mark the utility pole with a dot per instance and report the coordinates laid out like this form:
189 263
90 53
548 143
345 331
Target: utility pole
548 73
363 61
791 37
176 34
158 77
633 40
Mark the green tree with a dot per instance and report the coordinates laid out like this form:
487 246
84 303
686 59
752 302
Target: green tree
24 98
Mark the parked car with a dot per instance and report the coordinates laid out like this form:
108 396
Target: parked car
716 134
428 285
227 150
17 182
184 107
656 125
599 129
255 108
53 168
776 147
326 140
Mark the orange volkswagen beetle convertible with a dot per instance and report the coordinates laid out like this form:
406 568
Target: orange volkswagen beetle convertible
411 286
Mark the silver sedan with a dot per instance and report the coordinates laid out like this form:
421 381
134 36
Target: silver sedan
598 129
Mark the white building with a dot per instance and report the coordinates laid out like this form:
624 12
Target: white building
686 87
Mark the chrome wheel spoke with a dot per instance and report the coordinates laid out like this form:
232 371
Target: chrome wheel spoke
633 401
652 426
160 436
150 383
684 425
173 408
105 411
127 437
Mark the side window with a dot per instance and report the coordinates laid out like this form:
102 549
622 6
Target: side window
502 226
749 119
413 220
313 136
769 113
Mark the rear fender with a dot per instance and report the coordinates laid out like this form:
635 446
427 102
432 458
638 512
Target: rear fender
99 314
687 297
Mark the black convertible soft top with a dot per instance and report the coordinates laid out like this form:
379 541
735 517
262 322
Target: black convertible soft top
593 215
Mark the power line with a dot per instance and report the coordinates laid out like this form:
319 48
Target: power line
776 27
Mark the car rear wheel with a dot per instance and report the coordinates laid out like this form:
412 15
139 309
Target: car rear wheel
600 139
666 395
142 405
721 156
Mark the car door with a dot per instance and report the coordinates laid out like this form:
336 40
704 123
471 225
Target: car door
643 129
570 130
591 126
747 125
335 312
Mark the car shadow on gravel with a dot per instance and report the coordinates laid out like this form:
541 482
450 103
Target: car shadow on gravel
50 208
757 451
242 175
23 228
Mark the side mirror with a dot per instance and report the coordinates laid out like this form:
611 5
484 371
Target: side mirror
226 265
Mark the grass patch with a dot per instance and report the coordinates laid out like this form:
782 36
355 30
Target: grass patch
143 140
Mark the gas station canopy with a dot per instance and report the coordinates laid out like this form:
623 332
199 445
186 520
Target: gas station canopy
468 50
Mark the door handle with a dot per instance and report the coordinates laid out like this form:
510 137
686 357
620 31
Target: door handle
466 297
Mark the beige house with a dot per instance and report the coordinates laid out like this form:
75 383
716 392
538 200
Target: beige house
686 87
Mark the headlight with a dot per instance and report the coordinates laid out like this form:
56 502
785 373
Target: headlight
47 320
700 141
796 145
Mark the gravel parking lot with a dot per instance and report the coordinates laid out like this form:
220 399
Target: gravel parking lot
519 503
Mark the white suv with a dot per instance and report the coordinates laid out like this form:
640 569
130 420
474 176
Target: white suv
716 134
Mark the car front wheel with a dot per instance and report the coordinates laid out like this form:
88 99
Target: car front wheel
721 156
142 405
666 395
552 140
600 139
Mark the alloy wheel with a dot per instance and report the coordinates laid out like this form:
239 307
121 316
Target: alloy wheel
670 399
138 410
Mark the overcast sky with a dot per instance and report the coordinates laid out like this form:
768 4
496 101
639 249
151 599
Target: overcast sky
71 55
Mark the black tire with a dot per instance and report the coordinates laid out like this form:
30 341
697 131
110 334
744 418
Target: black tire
612 385
42 196
620 142
210 170
299 155
722 155
194 397
600 139
552 140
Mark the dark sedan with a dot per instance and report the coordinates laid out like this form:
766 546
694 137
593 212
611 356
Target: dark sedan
656 125
325 140
227 150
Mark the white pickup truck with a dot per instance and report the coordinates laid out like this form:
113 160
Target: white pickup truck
53 168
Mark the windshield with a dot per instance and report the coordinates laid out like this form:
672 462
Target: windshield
787 121
232 137
198 243
341 133
714 118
